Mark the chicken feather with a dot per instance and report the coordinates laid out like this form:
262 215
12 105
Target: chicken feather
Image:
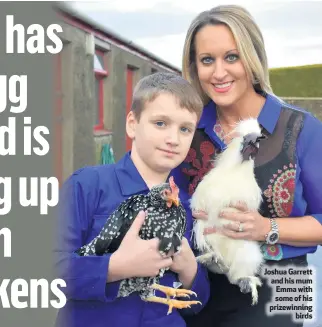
231 181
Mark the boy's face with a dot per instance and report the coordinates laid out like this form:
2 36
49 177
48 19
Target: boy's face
163 135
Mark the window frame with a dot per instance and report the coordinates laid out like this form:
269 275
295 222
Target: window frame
100 75
130 76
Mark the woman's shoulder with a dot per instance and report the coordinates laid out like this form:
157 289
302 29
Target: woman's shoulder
309 118
307 125
310 133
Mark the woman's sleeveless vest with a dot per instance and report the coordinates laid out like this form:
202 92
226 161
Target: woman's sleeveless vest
275 167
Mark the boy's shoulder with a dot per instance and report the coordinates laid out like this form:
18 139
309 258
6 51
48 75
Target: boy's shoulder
93 176
94 170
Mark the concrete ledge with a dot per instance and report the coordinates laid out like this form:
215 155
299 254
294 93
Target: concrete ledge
102 133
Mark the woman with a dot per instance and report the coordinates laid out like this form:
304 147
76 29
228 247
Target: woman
224 58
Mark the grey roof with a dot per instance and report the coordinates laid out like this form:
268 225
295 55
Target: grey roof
67 9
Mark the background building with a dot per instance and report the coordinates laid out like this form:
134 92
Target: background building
96 73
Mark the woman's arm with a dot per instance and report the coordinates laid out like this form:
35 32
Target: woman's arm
295 231
300 231
307 230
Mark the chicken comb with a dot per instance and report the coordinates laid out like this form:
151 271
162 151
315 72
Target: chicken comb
173 186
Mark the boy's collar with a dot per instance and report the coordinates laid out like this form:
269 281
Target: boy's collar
130 180
268 116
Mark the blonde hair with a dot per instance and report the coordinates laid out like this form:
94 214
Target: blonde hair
151 86
249 40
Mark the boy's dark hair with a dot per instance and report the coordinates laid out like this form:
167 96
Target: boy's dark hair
151 86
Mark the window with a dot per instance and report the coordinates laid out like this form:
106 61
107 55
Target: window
129 91
101 73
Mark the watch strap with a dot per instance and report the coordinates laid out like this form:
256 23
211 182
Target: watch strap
274 230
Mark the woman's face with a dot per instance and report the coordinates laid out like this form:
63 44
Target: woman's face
220 70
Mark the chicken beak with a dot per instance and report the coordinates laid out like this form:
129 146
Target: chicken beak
250 146
173 199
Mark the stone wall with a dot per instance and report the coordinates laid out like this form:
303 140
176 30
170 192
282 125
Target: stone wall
77 95
313 105
81 144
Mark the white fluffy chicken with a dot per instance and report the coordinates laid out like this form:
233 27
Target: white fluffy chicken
232 180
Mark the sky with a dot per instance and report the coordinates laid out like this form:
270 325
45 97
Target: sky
292 30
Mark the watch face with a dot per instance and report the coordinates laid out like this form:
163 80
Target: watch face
273 237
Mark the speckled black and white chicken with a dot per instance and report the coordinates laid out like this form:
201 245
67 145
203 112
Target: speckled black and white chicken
232 180
165 219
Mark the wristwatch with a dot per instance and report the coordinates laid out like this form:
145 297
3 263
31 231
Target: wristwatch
272 236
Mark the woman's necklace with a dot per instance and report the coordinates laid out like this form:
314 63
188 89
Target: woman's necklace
226 137
218 129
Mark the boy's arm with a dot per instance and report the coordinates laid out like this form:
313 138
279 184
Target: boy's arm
86 277
194 277
200 285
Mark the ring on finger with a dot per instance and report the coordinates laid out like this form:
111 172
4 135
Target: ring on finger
240 227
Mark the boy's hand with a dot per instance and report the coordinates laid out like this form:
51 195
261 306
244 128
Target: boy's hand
136 257
185 264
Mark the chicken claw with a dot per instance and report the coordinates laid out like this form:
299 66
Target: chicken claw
173 292
172 303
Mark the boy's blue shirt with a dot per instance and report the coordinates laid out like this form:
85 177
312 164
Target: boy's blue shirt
88 197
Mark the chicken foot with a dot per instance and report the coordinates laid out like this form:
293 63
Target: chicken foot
173 292
249 285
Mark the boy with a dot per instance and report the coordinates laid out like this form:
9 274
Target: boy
161 124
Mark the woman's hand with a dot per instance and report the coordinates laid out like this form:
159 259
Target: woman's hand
202 215
245 224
